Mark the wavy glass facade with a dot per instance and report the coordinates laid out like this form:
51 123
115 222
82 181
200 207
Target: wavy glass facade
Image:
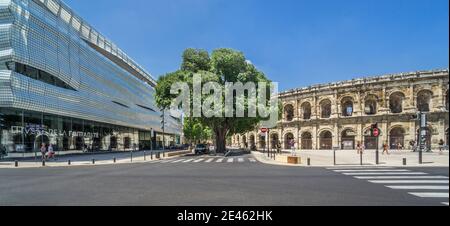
62 82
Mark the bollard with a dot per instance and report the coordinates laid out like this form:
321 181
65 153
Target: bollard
145 156
114 159
43 163
16 164
309 162
69 162
404 162
93 161
151 155
361 158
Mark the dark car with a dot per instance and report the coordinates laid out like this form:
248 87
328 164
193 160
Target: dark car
201 149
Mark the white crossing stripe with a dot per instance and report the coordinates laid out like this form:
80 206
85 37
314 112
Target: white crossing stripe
198 160
230 160
241 160
419 187
385 173
179 160
166 161
220 160
209 160
189 160
445 203
359 167
376 170
429 194
252 160
399 177
409 181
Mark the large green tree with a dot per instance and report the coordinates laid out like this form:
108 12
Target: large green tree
222 66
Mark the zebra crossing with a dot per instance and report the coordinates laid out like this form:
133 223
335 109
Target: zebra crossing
419 184
207 160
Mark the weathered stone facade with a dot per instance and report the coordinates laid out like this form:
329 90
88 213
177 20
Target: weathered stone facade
341 114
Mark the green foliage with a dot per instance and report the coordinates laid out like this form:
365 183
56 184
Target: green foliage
195 131
224 65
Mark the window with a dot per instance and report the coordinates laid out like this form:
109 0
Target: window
39 75
424 101
347 107
371 105
306 109
289 112
396 102
325 108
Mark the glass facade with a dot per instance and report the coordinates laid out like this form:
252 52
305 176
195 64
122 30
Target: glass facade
23 132
63 83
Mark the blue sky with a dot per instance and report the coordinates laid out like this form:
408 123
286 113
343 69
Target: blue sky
294 42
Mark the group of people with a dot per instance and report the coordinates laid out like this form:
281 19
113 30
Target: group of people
360 147
47 152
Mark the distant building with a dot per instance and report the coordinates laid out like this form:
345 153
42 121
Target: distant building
340 114
62 82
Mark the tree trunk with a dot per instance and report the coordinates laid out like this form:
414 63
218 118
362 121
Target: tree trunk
221 136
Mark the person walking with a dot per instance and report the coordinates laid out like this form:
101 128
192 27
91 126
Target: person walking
385 148
359 148
441 147
51 153
43 152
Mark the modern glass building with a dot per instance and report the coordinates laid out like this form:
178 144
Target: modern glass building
65 84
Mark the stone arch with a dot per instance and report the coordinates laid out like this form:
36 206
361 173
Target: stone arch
397 137
424 100
274 140
325 108
396 102
244 141
289 140
370 142
371 104
348 139
306 140
347 106
306 110
446 101
289 112
325 140
252 139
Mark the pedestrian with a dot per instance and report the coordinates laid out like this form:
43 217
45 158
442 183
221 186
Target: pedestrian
441 147
51 153
399 146
292 144
385 148
43 151
413 145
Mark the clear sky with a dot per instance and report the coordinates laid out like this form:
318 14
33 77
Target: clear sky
295 42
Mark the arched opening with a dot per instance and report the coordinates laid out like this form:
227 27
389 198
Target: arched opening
424 100
325 109
307 141
127 143
274 140
289 112
289 141
262 142
348 140
306 110
370 105
397 138
347 107
396 102
370 142
326 140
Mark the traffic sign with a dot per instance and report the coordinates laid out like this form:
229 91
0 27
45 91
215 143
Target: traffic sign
264 130
376 132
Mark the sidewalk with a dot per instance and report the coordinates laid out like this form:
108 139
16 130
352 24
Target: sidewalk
324 158
85 160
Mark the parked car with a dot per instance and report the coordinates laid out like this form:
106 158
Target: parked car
201 149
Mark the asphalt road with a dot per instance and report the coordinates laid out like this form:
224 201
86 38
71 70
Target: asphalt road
243 183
